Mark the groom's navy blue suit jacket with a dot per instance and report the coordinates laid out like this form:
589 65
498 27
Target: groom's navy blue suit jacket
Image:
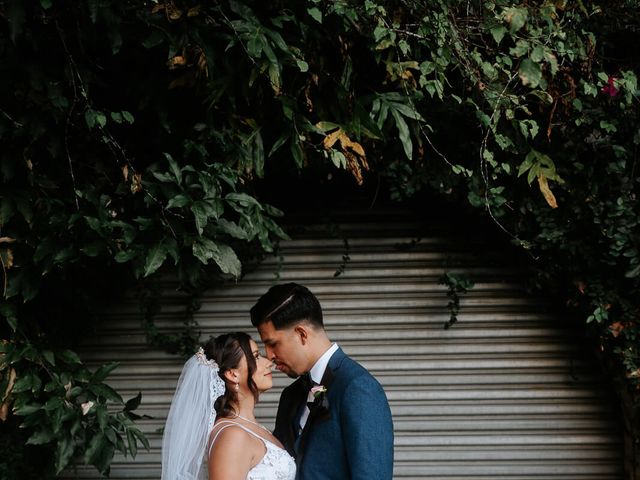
349 435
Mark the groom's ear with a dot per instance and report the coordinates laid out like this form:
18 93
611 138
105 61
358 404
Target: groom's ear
302 333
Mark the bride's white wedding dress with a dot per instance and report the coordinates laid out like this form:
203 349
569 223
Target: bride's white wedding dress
276 464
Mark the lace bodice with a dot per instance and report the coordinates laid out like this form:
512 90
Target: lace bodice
276 464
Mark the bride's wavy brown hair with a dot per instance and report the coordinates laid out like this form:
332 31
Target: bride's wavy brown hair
227 351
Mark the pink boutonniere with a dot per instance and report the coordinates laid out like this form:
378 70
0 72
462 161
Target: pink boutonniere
317 401
318 390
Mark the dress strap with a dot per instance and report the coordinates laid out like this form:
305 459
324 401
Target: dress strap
230 423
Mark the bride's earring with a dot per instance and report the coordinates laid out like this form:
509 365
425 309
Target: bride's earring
237 386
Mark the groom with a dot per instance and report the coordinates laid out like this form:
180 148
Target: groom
335 418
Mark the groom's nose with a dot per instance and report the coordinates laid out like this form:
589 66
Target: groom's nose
269 351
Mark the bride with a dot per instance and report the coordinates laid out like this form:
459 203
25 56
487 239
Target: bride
211 431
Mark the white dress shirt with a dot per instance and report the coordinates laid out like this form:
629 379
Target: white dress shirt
316 373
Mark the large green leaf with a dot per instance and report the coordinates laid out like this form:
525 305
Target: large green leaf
64 452
227 260
403 131
155 258
530 73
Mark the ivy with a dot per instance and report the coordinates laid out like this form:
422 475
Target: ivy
150 138
457 285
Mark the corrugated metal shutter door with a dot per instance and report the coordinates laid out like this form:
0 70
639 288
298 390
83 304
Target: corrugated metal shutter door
503 394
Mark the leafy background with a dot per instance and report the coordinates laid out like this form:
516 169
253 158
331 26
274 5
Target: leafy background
149 136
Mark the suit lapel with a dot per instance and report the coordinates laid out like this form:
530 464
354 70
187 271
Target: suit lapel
292 408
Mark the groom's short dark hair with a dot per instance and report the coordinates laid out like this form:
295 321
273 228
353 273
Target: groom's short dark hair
285 305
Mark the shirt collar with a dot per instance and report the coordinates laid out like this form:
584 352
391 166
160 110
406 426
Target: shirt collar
317 371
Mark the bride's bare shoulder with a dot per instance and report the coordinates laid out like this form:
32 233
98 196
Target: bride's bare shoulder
232 452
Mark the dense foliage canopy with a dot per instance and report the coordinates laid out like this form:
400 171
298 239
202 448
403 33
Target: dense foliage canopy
138 135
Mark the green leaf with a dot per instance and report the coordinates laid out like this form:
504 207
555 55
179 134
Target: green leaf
281 141
64 452
116 117
242 199
24 208
296 152
69 356
405 136
232 229
141 438
105 391
498 33
104 371
131 441
327 126
530 73
178 201
155 258
315 13
23 383
54 403
111 436
127 116
227 260
302 65
406 110
515 17
96 444
521 48
40 437
25 410
13 322
633 272
102 415
6 210
537 54
175 169
201 212
133 403
125 256
203 249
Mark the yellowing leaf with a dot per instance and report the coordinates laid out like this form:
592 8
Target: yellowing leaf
6 257
176 62
546 191
348 143
616 328
350 151
330 139
173 12
136 183
4 407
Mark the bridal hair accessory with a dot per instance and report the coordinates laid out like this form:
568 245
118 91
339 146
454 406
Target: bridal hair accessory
191 419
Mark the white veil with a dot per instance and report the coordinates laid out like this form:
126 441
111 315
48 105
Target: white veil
190 420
